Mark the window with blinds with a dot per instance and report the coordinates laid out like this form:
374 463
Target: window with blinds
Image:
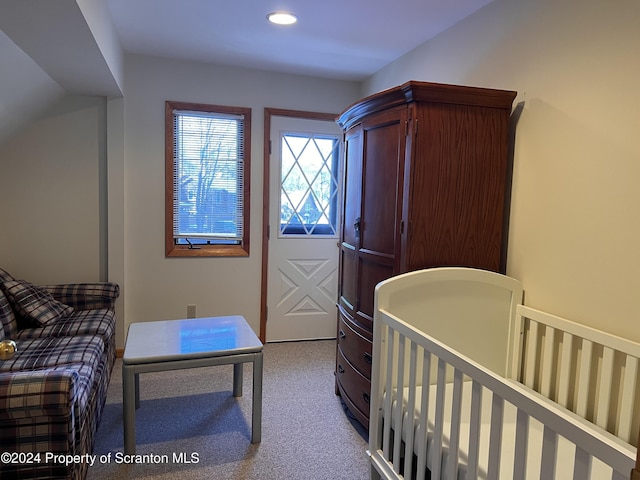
207 179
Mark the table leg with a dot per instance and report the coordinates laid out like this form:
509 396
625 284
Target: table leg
137 387
256 418
237 379
129 408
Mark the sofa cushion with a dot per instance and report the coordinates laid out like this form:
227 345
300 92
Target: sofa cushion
33 303
36 353
99 322
85 296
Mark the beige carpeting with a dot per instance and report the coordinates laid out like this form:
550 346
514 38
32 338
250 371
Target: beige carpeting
189 426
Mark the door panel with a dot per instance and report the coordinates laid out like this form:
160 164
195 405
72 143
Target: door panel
380 178
353 181
348 298
372 272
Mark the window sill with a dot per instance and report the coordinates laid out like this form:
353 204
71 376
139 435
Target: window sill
207 251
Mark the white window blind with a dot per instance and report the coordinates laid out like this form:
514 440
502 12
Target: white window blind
208 176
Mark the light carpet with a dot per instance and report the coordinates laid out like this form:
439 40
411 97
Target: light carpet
189 425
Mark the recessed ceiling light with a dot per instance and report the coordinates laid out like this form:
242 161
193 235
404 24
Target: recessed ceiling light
282 18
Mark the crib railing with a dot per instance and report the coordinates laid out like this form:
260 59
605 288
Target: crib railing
590 372
403 359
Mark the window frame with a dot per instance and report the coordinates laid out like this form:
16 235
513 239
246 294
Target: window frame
172 249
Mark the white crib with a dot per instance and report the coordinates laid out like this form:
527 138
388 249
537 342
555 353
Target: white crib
469 383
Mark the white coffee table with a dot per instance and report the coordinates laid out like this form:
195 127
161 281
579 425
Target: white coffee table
190 343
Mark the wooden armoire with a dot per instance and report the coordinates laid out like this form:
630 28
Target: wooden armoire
426 184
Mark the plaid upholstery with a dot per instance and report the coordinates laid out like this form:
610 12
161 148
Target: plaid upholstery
53 391
39 393
101 322
39 353
55 422
84 296
5 276
81 322
34 304
7 317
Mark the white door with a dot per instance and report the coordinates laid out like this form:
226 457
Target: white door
303 229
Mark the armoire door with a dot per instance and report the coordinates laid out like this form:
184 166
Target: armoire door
372 212
350 233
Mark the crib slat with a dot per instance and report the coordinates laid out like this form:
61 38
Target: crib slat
522 443
547 362
399 408
516 347
495 437
388 398
451 470
411 408
424 411
436 455
564 369
627 397
531 350
604 392
474 429
582 391
581 465
549 450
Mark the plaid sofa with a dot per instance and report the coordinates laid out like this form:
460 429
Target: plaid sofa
53 390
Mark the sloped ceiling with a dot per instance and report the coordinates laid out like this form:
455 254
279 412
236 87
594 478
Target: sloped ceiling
26 88
74 41
52 48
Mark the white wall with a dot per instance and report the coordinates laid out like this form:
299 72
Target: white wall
53 199
575 218
160 288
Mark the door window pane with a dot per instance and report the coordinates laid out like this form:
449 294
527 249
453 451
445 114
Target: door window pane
309 184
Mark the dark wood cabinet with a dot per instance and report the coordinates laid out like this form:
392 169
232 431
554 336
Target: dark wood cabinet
426 177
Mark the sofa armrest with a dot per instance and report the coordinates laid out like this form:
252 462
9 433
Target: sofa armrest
37 393
85 296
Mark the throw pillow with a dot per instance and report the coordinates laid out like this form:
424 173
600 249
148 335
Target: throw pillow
35 304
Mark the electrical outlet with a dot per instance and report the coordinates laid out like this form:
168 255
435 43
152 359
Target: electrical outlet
191 311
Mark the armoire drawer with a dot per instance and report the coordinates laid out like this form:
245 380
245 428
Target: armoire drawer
356 348
353 383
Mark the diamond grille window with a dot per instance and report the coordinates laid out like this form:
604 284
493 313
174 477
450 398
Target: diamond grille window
309 184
